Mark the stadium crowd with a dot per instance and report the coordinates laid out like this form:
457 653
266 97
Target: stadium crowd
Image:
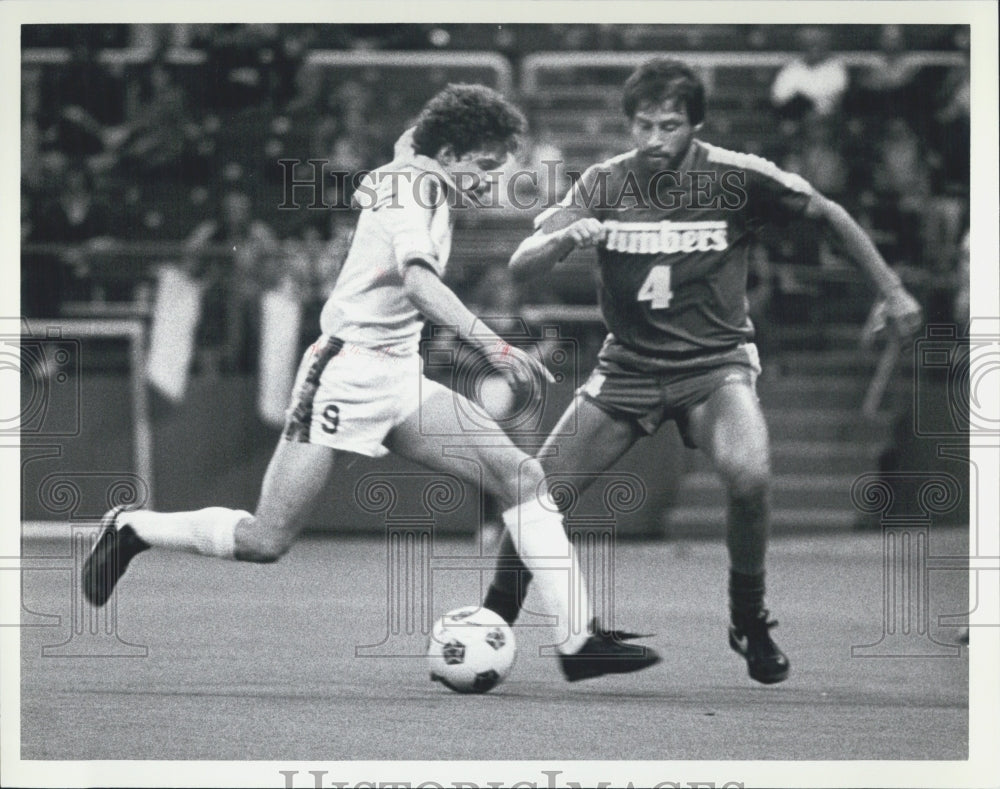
181 146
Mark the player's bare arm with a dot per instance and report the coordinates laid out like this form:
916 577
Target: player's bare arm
439 304
903 309
540 252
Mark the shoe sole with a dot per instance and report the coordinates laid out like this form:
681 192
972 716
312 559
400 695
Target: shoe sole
95 569
105 566
618 667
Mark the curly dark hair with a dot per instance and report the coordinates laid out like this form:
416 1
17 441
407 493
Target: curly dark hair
660 79
467 117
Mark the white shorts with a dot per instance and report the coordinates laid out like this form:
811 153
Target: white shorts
349 397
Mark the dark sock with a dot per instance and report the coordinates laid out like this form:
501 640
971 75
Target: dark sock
507 592
510 582
746 595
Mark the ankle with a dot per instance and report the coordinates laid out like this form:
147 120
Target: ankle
746 596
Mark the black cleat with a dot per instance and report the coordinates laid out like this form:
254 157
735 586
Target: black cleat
751 639
109 557
601 655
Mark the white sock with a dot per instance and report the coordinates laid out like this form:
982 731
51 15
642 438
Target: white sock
537 530
210 532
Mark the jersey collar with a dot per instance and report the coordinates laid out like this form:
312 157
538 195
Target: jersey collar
427 164
404 156
685 164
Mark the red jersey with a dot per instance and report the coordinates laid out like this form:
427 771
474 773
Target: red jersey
673 266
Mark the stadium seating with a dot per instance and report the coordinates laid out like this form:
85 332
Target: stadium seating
574 96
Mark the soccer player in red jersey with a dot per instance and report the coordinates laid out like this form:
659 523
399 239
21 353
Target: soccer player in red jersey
672 222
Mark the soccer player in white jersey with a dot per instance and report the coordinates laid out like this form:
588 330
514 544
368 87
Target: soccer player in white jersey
672 222
360 389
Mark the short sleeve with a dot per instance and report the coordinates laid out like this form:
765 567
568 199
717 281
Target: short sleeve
410 217
772 195
776 196
574 206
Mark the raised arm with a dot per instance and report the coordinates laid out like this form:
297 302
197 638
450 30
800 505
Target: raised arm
561 228
439 304
903 309
540 252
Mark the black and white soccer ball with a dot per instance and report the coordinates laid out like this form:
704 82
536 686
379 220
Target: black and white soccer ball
471 650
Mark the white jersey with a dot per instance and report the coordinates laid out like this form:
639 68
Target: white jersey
405 215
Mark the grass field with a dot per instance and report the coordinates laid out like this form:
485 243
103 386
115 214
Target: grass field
258 662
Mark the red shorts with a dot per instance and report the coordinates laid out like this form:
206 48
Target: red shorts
622 386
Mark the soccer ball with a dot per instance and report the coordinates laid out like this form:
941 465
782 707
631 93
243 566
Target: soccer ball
471 650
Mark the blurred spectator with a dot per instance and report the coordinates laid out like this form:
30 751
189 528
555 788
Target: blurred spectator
887 87
345 135
237 258
353 149
950 135
290 56
240 57
154 139
41 274
313 256
78 216
305 94
542 157
901 181
816 156
77 212
31 133
902 168
159 37
957 97
80 101
815 81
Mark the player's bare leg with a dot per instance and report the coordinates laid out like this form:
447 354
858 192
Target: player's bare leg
433 438
532 520
296 475
730 428
586 441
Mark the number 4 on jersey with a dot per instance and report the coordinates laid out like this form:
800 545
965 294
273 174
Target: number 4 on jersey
656 289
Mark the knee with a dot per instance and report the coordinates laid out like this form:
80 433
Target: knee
262 553
262 548
746 478
260 556
521 483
